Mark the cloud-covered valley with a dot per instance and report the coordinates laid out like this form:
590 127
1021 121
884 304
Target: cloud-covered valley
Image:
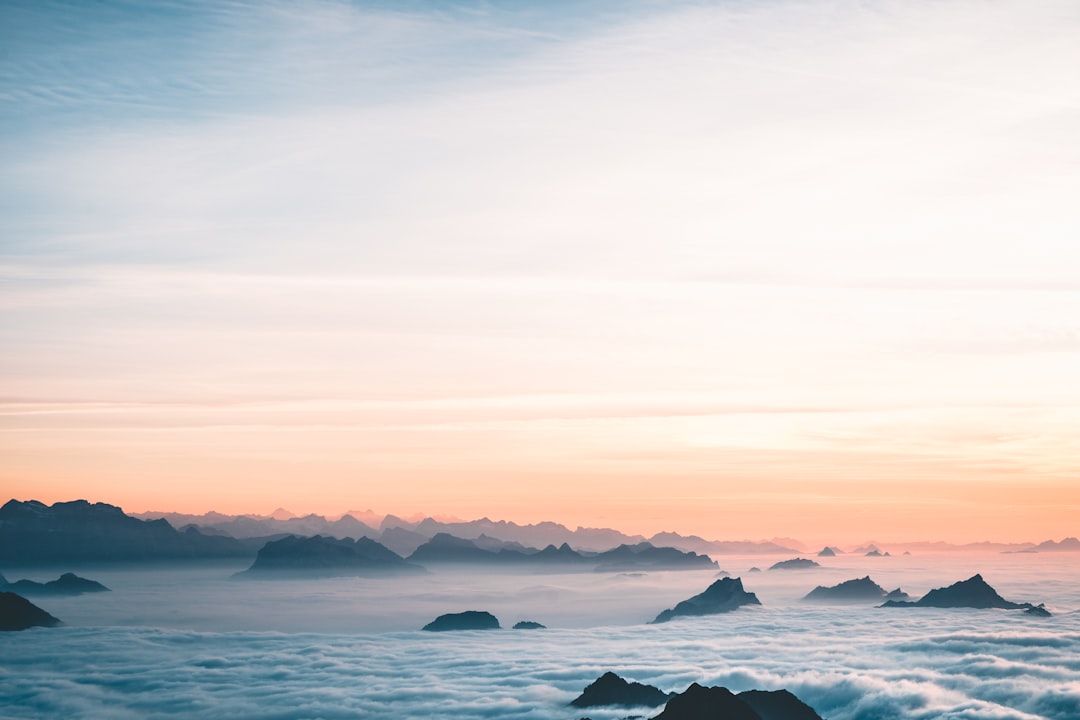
160 655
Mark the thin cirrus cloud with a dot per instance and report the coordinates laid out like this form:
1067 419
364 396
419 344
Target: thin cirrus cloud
670 224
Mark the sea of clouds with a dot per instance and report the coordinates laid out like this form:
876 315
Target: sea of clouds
192 642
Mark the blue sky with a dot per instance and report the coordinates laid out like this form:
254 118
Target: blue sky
822 249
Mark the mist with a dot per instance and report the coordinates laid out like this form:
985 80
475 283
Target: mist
191 641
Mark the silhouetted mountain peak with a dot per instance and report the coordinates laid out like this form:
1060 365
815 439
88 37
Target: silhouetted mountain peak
327 556
468 620
79 530
610 689
704 703
848 591
18 613
971 593
794 564
778 705
724 595
66 584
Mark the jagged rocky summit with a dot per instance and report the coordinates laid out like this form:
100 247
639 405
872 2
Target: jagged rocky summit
468 620
18 613
529 625
66 584
859 590
706 703
327 557
697 702
724 595
794 564
610 689
1038 610
971 593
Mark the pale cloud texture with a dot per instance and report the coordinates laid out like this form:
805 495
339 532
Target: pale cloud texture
165 643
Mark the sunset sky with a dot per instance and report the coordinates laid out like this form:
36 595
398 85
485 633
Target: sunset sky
739 269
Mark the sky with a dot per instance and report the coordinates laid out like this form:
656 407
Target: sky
739 269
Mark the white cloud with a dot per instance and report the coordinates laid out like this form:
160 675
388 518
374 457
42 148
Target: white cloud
848 663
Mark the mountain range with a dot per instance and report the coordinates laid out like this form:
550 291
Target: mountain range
32 532
405 536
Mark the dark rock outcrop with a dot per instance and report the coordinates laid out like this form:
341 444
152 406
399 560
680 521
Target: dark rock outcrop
1038 610
971 593
327 557
724 595
794 564
860 590
18 613
529 625
610 689
696 702
32 532
66 584
468 620
719 703
707 703
778 705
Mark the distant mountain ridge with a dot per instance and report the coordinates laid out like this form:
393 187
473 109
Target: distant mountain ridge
405 536
446 548
320 556
32 532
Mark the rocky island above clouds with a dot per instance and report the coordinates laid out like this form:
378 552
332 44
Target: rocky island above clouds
697 702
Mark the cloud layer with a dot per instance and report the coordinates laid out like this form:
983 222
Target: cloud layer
849 663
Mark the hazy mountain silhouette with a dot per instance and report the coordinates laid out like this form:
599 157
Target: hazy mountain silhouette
326 557
646 556
971 593
724 595
18 613
280 522
859 590
446 548
529 625
827 552
718 547
32 532
66 584
562 555
794 564
610 689
468 620
1069 544
402 541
